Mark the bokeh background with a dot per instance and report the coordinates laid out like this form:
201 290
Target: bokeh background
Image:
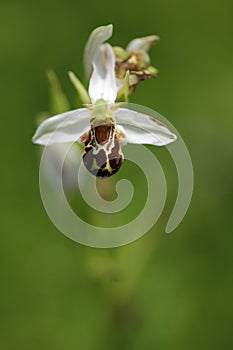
163 291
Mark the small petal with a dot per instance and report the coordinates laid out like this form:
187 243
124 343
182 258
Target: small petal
142 44
58 101
120 83
120 53
103 83
143 129
82 92
124 90
63 128
95 40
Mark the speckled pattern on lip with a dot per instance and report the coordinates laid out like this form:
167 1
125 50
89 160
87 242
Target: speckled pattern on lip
102 154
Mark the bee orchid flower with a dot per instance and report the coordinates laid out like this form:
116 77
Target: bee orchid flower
103 126
135 60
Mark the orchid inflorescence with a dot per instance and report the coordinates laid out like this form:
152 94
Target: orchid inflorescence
104 124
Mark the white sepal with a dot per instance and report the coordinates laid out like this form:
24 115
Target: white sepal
95 40
142 44
143 129
63 128
103 83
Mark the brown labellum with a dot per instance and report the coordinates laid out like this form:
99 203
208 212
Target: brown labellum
102 154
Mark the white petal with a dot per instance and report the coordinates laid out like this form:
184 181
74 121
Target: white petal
143 129
133 80
103 83
62 128
142 44
120 83
95 40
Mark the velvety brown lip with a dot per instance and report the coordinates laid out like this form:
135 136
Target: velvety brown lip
102 161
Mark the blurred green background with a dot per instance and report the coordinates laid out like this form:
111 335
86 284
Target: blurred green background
163 291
